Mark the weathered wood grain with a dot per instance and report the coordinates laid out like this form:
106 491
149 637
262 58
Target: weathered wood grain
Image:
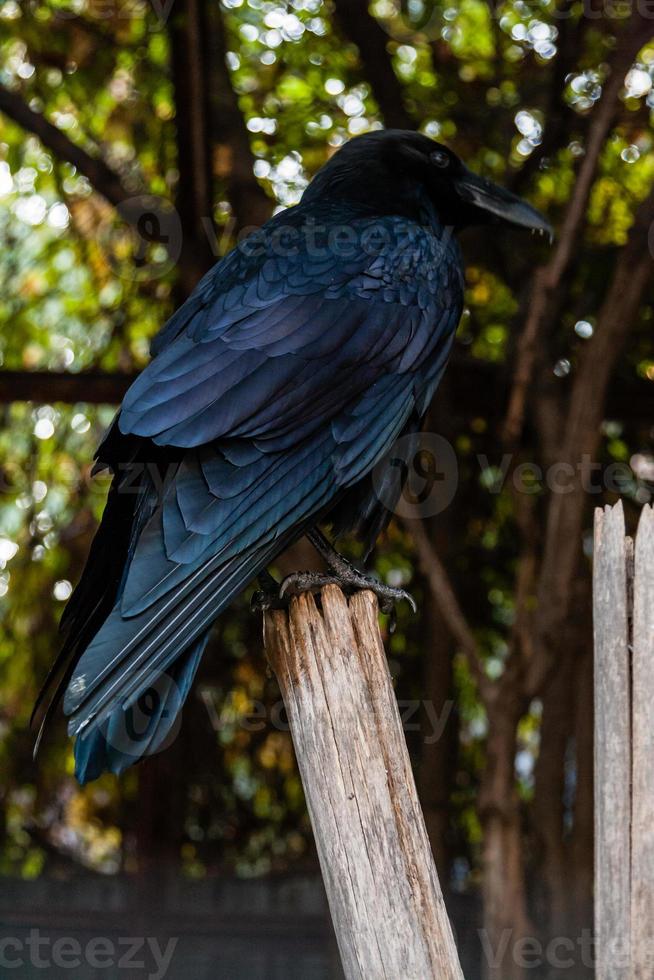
612 746
642 807
383 891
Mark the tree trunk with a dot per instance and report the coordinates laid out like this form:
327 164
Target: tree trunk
440 743
233 157
581 848
506 921
194 196
548 809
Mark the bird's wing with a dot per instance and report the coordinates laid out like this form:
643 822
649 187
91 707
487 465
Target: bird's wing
284 390
269 352
224 517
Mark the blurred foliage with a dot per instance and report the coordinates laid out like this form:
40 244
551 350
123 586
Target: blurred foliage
473 74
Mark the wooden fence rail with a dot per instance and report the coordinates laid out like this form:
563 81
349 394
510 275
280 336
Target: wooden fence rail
623 610
379 874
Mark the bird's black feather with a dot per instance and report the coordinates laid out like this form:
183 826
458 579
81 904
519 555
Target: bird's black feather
273 395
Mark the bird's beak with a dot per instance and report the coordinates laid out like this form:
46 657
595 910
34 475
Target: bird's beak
500 203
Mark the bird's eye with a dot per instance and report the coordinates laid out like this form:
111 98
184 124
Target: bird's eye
440 159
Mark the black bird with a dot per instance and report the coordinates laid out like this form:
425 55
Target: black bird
272 394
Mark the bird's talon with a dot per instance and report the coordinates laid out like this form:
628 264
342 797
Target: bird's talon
412 602
301 582
388 597
269 596
263 601
313 581
260 601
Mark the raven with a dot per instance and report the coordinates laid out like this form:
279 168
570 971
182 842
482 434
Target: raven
273 394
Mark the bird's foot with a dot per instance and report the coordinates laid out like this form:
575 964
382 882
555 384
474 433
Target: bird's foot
350 580
268 596
343 573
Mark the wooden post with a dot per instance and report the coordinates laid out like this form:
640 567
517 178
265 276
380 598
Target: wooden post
623 610
642 809
612 746
383 891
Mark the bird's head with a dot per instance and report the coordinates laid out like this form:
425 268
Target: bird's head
389 169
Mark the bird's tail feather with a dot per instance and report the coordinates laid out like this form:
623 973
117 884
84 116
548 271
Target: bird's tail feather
94 596
147 663
145 727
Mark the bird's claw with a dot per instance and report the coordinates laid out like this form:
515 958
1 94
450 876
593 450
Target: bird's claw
299 582
390 596
269 596
260 601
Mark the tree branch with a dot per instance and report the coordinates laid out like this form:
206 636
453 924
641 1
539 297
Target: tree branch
195 253
251 205
474 382
444 596
45 387
187 30
99 174
633 273
547 279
